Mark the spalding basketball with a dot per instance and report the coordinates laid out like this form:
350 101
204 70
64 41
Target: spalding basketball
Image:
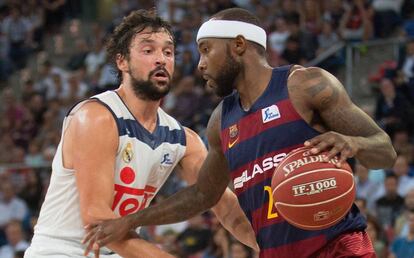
312 194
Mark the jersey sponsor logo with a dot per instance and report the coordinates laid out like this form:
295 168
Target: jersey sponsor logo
166 159
127 199
127 153
234 135
266 164
270 113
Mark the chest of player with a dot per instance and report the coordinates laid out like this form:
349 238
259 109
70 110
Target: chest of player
140 172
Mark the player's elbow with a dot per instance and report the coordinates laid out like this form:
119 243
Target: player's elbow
208 198
391 158
93 214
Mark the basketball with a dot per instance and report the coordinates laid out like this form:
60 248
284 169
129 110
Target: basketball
312 194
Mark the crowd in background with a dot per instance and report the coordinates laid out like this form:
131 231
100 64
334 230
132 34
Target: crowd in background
52 56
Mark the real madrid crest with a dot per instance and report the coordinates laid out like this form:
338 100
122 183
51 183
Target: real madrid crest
127 153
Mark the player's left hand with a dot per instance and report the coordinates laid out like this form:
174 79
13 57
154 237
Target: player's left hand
336 144
100 234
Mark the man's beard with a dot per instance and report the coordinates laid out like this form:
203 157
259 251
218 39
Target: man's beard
226 78
147 90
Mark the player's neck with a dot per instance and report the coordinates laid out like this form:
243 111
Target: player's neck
253 82
145 111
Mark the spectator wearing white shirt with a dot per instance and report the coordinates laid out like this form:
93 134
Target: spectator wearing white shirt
404 182
365 187
401 169
408 64
11 206
15 240
17 31
278 37
95 58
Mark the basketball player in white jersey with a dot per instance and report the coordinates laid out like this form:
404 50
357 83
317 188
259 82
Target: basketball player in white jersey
119 147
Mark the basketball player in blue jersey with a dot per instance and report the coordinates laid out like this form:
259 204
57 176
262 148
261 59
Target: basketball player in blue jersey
119 147
267 112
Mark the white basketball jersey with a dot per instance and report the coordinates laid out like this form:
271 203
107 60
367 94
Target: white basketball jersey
144 160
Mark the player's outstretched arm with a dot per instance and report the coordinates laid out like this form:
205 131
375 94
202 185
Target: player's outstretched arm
351 131
90 143
205 193
227 210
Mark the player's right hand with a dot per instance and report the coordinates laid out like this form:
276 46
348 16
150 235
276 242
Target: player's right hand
102 233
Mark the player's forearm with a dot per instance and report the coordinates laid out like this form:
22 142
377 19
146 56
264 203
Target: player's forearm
137 248
179 207
375 151
232 218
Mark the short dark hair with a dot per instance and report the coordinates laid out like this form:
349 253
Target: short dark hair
131 25
239 14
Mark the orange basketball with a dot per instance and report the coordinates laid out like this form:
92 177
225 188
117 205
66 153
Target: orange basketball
311 194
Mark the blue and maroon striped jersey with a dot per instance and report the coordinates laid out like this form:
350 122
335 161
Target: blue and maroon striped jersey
254 142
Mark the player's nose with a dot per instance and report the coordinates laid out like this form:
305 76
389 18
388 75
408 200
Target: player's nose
201 65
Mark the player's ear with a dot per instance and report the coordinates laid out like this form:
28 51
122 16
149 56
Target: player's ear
239 45
122 63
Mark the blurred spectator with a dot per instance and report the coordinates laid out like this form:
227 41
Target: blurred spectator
17 30
401 169
187 43
183 100
187 65
391 106
293 54
391 204
401 224
77 90
308 43
334 9
46 83
33 192
54 15
11 206
374 231
327 39
408 63
356 22
77 59
107 79
96 58
387 16
15 240
278 36
34 13
195 238
34 156
365 187
403 247
219 245
311 16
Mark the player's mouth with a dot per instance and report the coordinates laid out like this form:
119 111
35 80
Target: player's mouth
161 76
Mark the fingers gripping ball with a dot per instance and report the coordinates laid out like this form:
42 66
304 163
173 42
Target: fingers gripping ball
311 194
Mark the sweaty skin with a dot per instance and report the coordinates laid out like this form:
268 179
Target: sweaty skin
317 96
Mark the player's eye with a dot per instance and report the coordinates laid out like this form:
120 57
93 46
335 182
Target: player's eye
147 51
168 52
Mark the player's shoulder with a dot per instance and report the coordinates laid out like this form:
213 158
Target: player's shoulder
299 74
92 112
